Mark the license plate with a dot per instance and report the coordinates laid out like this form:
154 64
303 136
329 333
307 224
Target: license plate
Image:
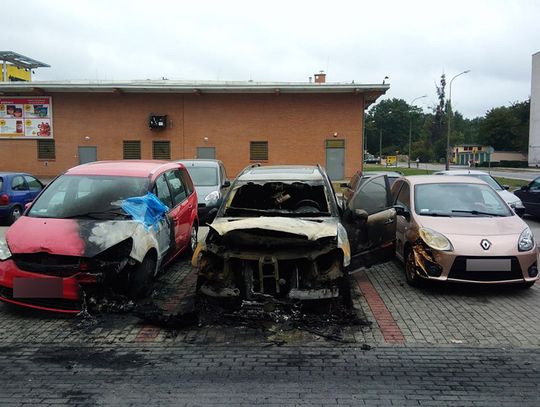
489 265
37 288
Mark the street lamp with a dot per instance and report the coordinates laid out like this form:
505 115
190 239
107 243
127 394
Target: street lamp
447 166
410 127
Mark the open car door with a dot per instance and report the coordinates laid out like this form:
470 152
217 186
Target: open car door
370 221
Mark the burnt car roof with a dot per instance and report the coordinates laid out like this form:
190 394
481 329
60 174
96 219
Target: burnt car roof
282 173
133 168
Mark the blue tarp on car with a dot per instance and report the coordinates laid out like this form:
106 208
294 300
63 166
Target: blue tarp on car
147 209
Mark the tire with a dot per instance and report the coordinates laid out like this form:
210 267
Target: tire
527 284
193 239
141 281
344 284
410 269
14 214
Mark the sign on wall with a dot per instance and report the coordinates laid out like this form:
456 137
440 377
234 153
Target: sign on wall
26 118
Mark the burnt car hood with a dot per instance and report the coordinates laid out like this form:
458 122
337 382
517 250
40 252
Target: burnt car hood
310 229
68 237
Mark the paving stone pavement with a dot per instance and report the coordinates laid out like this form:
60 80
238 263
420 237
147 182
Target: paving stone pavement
195 375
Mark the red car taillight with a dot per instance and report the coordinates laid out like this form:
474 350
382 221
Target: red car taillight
4 199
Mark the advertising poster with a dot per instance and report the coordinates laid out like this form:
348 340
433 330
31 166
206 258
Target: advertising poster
26 117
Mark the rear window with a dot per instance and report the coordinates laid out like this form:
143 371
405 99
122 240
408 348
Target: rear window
204 176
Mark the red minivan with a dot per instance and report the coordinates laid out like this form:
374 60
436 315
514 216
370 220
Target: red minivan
78 236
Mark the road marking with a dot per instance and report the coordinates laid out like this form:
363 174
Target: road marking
388 326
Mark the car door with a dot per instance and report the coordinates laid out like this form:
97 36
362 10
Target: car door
181 210
370 222
401 193
20 191
530 196
165 234
348 189
34 185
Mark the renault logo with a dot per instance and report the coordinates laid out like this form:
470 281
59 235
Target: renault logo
486 244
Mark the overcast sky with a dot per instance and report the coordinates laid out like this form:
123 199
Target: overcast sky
411 42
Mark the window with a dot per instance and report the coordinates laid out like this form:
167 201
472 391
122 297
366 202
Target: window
18 184
187 181
46 150
258 150
404 197
132 150
177 187
161 190
33 183
372 196
161 150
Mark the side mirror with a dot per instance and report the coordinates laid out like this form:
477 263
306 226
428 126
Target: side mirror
524 188
211 215
360 214
226 183
507 187
402 211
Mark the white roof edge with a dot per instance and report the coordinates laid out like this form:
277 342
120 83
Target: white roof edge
166 86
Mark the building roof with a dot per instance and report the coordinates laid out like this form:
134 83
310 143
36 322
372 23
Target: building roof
372 91
21 61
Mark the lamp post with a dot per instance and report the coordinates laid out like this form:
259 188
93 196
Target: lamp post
447 166
410 128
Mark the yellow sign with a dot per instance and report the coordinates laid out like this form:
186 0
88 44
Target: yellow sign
19 74
475 150
391 160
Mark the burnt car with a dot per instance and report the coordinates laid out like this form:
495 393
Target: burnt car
281 235
99 226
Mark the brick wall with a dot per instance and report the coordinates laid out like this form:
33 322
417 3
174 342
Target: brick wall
295 126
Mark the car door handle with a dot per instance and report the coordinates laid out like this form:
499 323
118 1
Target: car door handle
388 221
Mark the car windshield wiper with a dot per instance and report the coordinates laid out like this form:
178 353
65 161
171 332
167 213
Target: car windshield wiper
475 212
98 214
445 215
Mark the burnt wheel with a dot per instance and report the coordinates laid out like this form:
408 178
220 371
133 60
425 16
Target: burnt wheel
15 214
527 284
410 269
344 285
142 278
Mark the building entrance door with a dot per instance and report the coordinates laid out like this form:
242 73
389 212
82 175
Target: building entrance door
87 154
335 159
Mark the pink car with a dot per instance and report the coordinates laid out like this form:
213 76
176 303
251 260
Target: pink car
459 229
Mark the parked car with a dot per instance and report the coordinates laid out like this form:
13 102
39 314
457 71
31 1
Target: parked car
96 227
459 229
280 234
512 200
530 196
211 183
371 159
16 190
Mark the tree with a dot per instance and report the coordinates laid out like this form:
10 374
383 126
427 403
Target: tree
506 128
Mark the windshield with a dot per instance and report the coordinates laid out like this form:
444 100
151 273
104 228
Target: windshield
93 196
203 176
489 180
296 199
458 200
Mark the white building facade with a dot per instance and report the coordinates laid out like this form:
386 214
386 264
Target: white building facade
534 128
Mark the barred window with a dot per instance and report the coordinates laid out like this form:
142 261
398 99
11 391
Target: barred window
132 150
258 150
161 150
46 150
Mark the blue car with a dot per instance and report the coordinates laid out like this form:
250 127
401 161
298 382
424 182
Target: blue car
16 190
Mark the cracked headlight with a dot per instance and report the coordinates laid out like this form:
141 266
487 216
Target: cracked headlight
212 198
4 250
526 241
435 240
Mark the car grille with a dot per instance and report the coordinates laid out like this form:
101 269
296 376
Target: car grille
54 303
49 264
459 271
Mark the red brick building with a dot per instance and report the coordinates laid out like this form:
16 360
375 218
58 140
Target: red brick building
236 122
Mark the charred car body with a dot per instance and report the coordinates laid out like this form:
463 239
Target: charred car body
280 234
79 236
